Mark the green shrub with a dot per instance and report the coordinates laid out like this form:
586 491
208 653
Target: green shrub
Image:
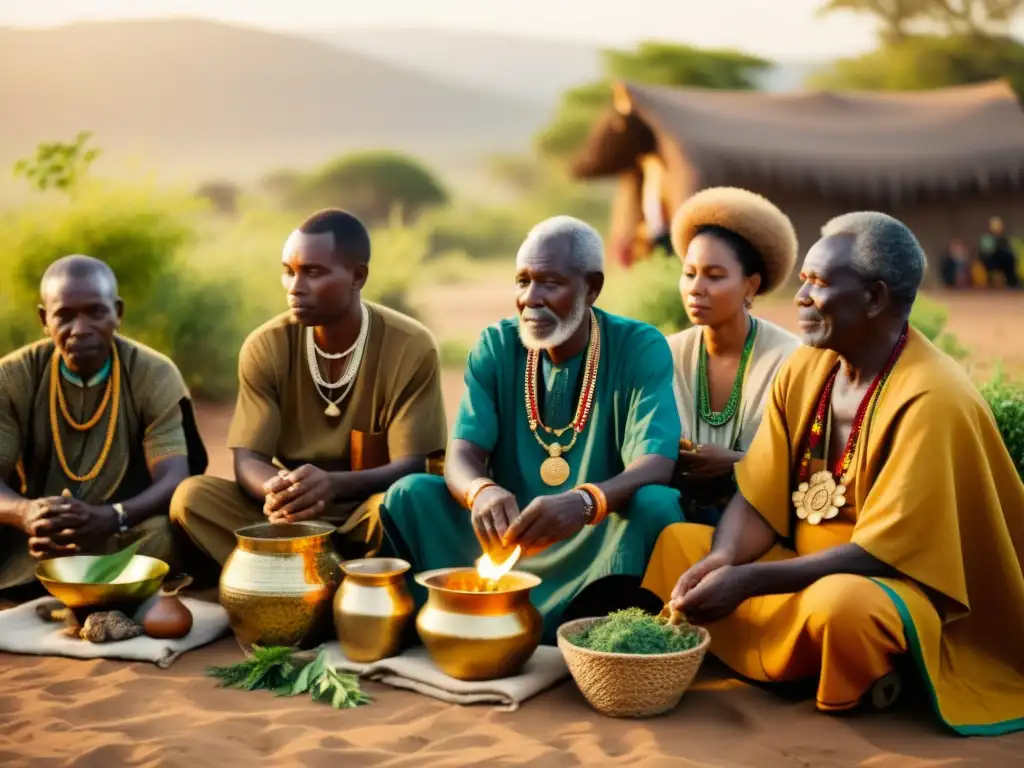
454 353
372 185
142 233
483 233
929 317
1006 399
647 291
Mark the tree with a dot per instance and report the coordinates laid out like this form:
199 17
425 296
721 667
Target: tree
899 18
924 62
57 165
372 185
222 195
653 63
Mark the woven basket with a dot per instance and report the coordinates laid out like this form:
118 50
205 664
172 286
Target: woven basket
630 684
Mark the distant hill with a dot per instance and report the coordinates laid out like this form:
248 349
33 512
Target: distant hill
518 66
217 98
523 67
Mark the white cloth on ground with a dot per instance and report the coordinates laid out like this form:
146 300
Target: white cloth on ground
414 670
23 631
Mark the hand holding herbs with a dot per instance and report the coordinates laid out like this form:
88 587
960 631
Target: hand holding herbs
280 670
635 631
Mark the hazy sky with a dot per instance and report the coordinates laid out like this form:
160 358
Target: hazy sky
781 28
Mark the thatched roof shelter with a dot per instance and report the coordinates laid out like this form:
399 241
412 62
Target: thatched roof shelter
912 154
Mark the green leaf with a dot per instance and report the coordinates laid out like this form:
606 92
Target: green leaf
275 669
267 669
309 673
341 690
107 568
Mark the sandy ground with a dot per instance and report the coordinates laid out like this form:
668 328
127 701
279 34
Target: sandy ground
96 714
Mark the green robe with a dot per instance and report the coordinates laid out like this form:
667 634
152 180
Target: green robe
633 415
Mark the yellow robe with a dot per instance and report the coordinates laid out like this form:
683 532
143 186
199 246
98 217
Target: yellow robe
934 494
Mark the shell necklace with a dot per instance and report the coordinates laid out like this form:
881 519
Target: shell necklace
554 470
348 376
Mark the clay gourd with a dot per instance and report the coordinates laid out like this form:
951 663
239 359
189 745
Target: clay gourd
164 616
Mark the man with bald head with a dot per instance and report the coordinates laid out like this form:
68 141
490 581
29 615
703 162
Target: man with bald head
94 414
879 515
565 440
338 398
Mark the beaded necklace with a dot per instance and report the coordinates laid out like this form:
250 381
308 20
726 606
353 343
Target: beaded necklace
554 470
112 395
820 496
720 418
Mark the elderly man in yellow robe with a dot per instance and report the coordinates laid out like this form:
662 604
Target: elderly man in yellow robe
96 431
338 398
879 515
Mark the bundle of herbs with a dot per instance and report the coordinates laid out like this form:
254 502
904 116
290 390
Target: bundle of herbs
635 631
285 673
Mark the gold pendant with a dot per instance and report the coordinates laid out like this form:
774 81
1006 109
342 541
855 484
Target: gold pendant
554 470
820 499
332 411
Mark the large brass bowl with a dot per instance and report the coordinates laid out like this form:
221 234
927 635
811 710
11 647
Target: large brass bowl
473 635
278 583
62 578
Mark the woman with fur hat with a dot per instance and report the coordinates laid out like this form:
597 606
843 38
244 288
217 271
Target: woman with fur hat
734 245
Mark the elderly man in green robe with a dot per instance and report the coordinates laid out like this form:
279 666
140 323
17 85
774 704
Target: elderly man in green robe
96 415
565 440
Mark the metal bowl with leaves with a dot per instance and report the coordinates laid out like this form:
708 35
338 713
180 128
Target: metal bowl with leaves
92 581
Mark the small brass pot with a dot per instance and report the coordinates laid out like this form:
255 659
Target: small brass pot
278 583
372 608
473 635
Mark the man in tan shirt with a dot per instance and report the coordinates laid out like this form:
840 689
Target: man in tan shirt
338 398
94 414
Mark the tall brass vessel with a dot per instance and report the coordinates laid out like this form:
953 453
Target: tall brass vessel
279 582
478 630
372 608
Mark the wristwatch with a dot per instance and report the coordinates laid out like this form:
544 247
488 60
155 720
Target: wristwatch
588 506
122 518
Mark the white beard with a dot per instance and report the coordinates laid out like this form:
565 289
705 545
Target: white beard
563 330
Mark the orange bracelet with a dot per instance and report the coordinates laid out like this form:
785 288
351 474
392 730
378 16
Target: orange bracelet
474 490
600 501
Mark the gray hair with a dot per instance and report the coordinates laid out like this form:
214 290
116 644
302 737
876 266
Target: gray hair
884 249
586 248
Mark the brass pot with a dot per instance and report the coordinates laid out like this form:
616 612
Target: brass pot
372 608
477 635
278 583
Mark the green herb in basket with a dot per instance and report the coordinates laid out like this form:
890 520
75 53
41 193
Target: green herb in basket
635 631
107 568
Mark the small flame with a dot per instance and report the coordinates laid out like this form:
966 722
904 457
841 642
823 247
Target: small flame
488 570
